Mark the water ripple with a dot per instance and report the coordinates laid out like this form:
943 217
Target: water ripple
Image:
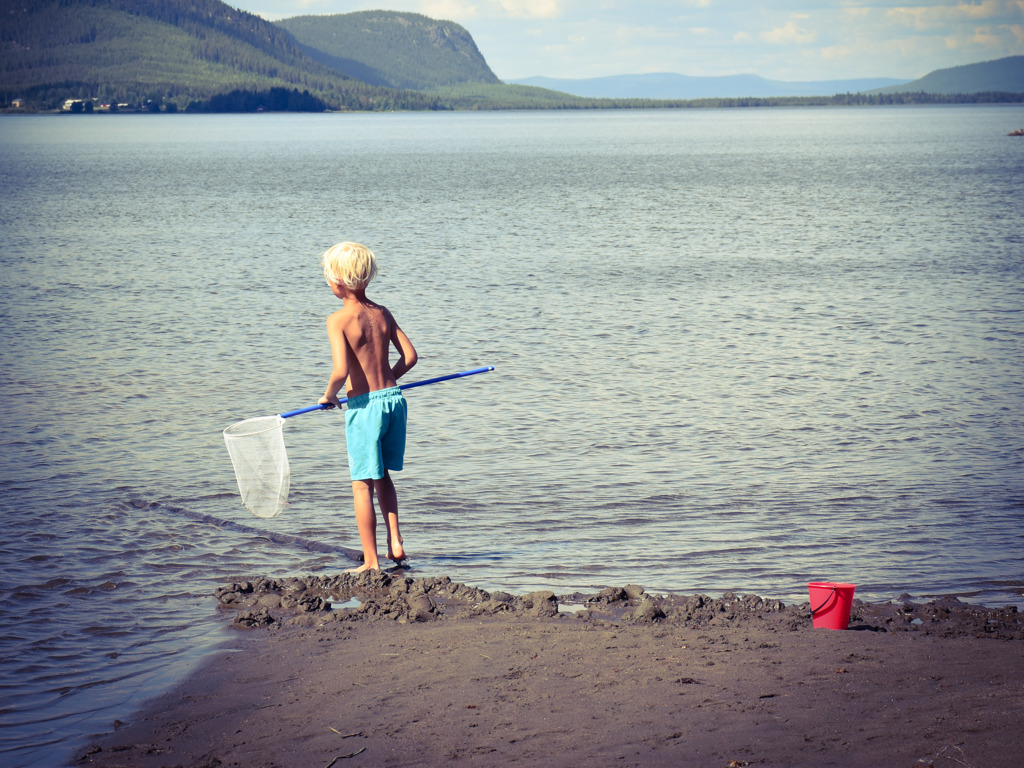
735 350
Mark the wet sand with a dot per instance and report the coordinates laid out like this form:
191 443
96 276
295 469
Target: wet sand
432 673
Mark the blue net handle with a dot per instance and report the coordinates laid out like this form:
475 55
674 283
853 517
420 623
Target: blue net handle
425 382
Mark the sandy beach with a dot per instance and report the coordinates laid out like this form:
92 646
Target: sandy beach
427 672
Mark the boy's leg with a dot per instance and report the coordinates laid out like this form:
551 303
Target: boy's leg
387 497
366 521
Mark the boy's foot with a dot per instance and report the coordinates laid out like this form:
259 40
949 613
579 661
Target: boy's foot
395 550
361 568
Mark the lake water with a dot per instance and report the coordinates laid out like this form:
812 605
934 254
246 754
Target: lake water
734 349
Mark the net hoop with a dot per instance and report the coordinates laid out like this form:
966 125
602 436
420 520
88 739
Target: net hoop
256 426
257 451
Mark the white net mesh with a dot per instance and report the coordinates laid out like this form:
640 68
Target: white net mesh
256 447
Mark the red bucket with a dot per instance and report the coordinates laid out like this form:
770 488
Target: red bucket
831 604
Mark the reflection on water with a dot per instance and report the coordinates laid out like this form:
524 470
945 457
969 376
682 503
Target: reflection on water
734 350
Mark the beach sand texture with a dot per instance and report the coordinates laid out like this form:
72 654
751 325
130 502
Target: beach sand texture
428 672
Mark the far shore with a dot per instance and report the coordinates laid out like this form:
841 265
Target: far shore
597 104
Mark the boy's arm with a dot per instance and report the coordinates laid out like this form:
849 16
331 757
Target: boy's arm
406 351
339 356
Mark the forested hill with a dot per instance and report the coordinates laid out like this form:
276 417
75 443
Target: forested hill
169 51
399 50
1001 75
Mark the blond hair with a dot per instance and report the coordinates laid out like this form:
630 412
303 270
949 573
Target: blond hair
350 264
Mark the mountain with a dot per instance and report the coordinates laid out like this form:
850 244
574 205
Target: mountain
666 85
204 54
397 50
170 51
1001 75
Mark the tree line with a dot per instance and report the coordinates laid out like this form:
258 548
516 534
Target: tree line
273 100
478 96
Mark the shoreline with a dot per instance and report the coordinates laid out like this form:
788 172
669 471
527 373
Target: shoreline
834 101
429 672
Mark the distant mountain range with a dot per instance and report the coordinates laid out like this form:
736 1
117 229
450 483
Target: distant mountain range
171 54
666 85
1002 75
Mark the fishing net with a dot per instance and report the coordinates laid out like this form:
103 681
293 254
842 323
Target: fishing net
257 452
256 447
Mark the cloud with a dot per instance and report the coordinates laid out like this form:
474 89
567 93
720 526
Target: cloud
789 34
984 39
532 9
937 16
449 9
988 9
837 52
628 34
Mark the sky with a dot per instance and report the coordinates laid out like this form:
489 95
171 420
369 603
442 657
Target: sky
792 40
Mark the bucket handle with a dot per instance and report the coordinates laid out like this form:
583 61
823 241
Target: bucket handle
824 602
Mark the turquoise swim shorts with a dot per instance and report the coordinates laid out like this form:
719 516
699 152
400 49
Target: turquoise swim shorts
375 433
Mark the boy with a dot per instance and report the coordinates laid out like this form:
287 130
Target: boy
361 335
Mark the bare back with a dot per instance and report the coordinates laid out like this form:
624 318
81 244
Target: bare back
367 329
361 335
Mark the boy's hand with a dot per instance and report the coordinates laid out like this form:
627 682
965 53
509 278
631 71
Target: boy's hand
330 402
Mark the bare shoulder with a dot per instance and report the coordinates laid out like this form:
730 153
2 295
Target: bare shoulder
343 315
389 318
343 323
